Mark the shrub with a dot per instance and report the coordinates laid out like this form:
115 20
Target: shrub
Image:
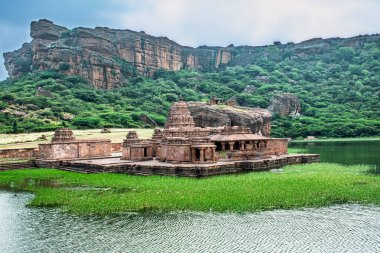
87 122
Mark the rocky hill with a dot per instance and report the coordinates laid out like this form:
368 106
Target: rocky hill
107 57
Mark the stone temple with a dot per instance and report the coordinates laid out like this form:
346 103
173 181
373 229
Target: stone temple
181 142
180 149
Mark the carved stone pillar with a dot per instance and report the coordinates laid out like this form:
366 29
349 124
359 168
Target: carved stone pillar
202 155
223 145
193 155
242 145
231 145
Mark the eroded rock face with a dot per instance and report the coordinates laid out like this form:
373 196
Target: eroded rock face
258 120
285 104
107 57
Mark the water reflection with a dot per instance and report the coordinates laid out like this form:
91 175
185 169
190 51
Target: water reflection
349 228
344 152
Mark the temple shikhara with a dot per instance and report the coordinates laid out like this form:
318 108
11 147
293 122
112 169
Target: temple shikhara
180 149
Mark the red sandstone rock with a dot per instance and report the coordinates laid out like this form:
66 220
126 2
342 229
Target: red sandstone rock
107 57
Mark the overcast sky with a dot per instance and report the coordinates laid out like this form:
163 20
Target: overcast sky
196 22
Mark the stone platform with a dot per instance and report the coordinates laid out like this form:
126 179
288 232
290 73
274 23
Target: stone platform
155 167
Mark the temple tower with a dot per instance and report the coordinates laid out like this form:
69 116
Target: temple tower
179 116
63 135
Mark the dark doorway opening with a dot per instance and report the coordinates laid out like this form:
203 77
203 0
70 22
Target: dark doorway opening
218 146
197 155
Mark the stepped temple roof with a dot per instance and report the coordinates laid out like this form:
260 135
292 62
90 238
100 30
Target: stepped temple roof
179 116
63 135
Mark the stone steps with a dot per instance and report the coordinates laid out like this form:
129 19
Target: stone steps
17 165
79 170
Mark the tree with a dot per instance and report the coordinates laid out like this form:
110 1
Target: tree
15 127
346 53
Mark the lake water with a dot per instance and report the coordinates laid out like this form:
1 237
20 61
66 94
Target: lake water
344 152
347 228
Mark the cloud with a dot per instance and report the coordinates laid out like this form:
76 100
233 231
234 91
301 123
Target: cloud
253 22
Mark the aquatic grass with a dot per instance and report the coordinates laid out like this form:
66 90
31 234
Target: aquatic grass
308 185
297 151
374 169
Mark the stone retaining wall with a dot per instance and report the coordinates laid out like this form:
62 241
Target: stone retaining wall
117 147
19 153
163 169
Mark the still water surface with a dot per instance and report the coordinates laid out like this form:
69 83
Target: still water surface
347 228
344 152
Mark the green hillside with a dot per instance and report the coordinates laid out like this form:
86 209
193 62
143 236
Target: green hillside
339 92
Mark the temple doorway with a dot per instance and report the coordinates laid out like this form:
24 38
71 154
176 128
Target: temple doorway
145 152
197 154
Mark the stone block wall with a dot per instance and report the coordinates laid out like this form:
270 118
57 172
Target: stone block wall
59 150
19 153
76 149
177 153
117 147
98 148
278 146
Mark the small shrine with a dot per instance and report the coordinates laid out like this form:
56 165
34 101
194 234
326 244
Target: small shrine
65 146
136 149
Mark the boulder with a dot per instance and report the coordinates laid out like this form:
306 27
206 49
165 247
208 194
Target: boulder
249 89
205 115
148 120
284 104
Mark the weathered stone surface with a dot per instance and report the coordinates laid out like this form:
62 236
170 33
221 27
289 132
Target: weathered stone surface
104 56
43 93
285 104
258 120
107 57
249 89
148 120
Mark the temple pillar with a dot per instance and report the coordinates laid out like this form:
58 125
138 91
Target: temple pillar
193 155
223 145
213 155
202 155
242 145
231 145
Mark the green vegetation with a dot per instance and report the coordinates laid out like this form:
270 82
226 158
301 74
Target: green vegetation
308 185
339 92
373 138
297 151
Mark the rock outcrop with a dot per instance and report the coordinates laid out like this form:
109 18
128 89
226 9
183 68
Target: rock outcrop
205 115
285 104
107 57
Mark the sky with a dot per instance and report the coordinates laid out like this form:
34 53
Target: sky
196 22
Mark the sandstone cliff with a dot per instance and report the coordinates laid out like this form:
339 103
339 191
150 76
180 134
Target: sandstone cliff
258 120
107 57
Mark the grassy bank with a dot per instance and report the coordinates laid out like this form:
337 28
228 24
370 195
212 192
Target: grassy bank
31 140
310 185
373 138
